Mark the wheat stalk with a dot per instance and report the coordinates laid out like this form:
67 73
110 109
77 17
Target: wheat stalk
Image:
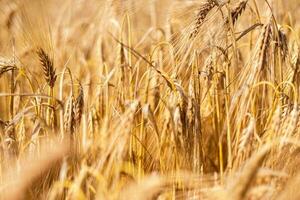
7 68
78 106
69 122
265 41
48 68
50 77
283 44
237 12
201 15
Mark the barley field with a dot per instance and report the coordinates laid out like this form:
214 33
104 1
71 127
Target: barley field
150 99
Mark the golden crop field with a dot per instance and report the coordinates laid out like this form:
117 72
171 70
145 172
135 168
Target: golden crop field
150 99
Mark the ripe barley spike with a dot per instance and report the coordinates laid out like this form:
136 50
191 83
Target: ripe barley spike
48 68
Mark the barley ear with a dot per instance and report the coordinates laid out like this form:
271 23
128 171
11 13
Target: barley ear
48 68
78 106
